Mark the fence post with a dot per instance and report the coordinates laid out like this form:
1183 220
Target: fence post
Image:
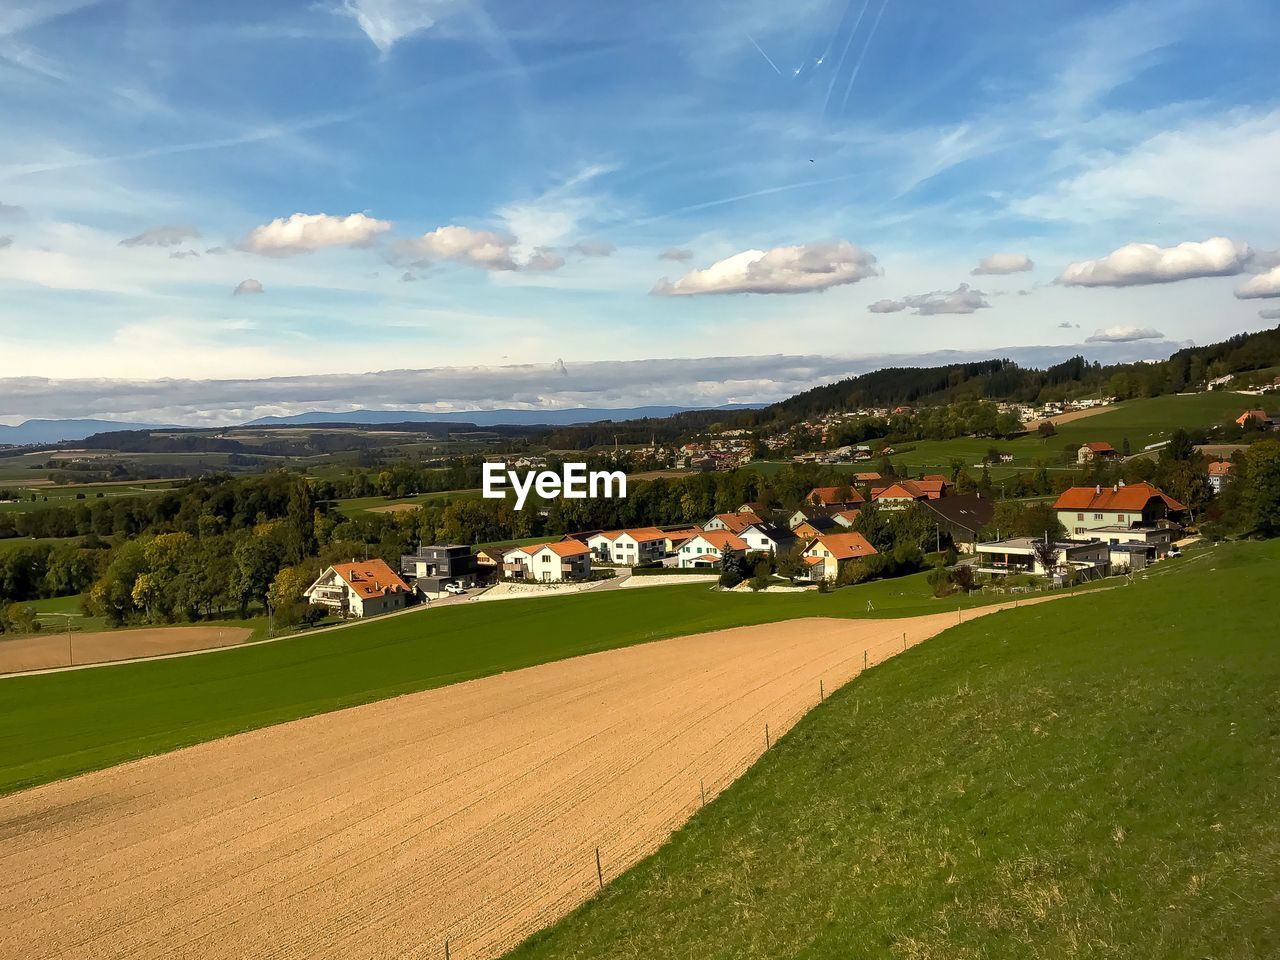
599 871
821 693
702 787
446 950
766 737
904 641
864 659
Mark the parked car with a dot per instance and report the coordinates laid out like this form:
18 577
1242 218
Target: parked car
1175 552
456 589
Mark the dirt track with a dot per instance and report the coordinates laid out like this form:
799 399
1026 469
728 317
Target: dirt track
48 649
472 812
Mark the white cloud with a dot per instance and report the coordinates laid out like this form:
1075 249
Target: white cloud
1001 263
676 254
544 258
1269 313
594 248
801 269
385 22
247 287
477 248
1262 285
305 232
169 235
961 300
1124 334
1136 264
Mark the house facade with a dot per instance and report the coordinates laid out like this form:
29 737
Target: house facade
1084 510
1017 555
359 589
548 562
1090 452
707 549
1220 474
431 568
826 554
768 538
733 522
631 547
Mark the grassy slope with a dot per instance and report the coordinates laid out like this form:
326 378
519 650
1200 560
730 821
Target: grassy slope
59 725
1092 778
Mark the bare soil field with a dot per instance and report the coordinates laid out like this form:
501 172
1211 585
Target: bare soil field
395 508
49 649
1070 417
472 812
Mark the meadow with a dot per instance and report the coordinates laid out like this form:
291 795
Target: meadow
59 725
1082 779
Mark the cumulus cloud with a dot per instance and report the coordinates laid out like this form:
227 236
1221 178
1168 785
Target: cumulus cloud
9 211
1001 263
1136 264
802 269
1261 285
1269 313
216 251
183 254
963 299
386 22
305 232
247 287
676 254
6 241
594 248
1124 334
544 258
478 248
168 235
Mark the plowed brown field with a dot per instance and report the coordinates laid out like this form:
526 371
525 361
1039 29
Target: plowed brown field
49 650
472 812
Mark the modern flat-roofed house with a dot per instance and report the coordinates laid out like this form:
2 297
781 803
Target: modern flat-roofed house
1098 450
434 566
1220 474
1083 510
733 522
548 562
359 589
710 547
826 554
1017 555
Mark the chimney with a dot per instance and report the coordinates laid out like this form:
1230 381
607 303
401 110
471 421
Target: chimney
1097 489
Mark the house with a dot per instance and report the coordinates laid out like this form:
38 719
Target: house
1017 555
807 513
1263 419
834 498
431 567
1097 450
765 537
1220 474
489 560
676 536
733 522
1084 510
548 562
900 495
961 517
846 518
1133 548
826 554
867 477
635 546
815 526
753 507
359 589
708 548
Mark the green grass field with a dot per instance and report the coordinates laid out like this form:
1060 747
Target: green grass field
57 725
355 506
1092 778
15 543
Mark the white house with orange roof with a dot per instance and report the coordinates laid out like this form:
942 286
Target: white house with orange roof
548 562
826 554
733 522
359 589
631 546
710 547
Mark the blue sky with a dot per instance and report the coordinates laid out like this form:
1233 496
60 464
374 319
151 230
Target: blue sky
426 184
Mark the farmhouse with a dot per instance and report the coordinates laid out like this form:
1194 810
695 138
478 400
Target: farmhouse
359 589
1089 452
828 553
708 548
548 562
1084 510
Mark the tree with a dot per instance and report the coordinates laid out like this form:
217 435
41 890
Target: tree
1046 554
1046 430
1125 448
1179 446
1260 494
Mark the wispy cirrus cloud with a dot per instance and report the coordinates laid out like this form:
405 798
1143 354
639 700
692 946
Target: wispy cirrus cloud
386 22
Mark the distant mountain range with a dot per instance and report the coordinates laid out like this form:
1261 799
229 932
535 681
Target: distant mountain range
491 418
60 431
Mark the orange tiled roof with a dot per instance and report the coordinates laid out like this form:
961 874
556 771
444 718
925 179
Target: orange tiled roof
1098 446
371 578
564 548
846 546
1130 498
737 522
1259 415
829 495
645 534
1220 468
723 539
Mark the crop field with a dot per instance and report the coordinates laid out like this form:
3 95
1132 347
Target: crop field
59 725
54 647
357 505
1088 779
471 813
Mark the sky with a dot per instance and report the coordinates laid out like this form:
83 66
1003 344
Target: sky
210 212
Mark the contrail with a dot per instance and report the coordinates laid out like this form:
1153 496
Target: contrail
847 44
763 54
865 47
742 196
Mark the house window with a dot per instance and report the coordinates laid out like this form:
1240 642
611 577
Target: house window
1097 516
1079 516
1120 518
